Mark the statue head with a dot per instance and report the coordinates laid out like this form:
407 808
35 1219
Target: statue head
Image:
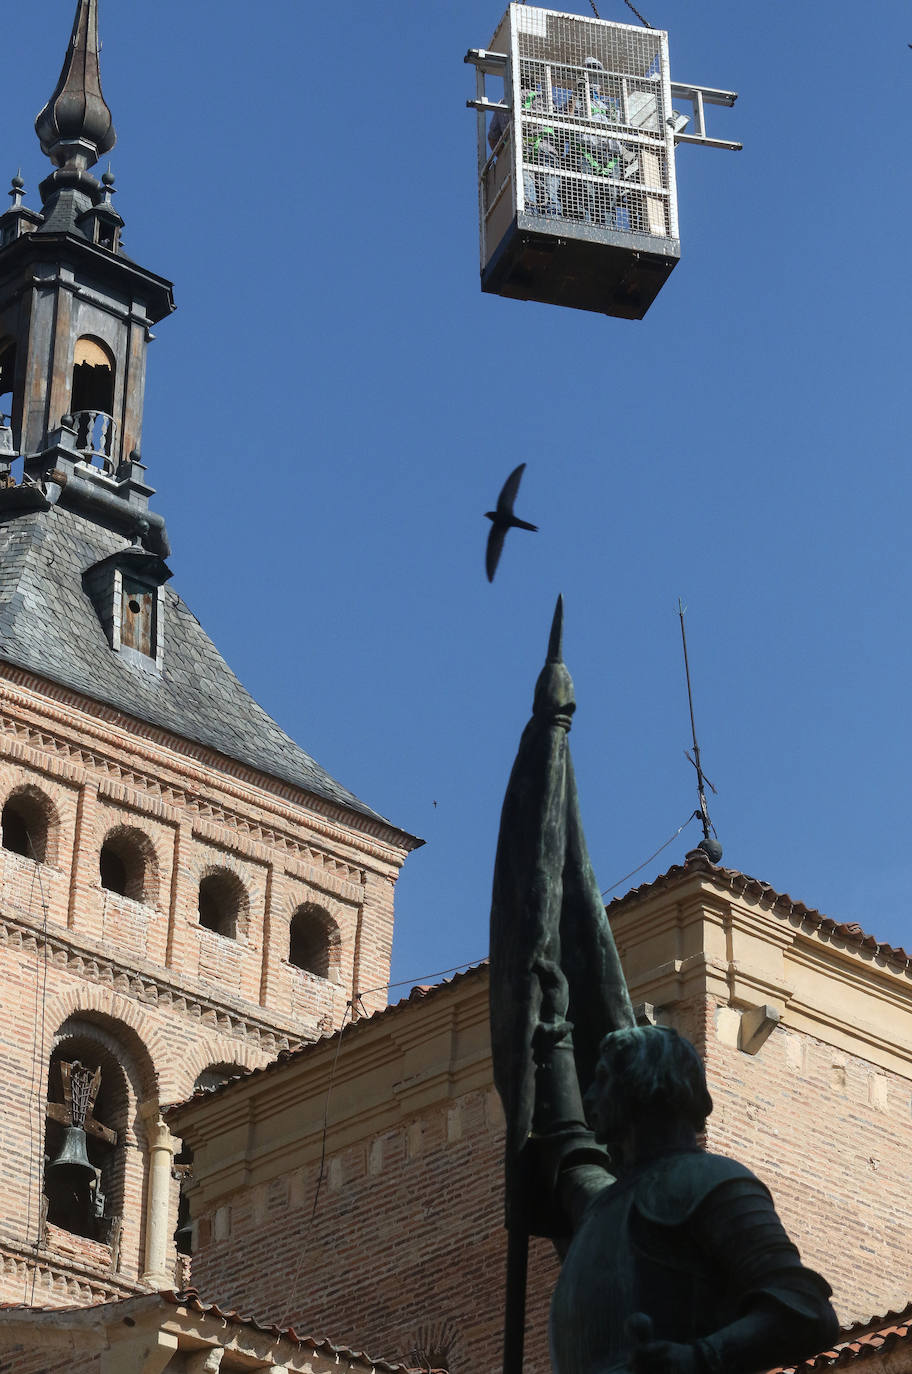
647 1078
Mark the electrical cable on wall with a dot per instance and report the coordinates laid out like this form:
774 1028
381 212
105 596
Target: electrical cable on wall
320 1172
41 976
348 1018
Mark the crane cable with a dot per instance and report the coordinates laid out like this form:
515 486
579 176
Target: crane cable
636 12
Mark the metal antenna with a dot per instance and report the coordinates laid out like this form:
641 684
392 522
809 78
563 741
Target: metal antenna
710 842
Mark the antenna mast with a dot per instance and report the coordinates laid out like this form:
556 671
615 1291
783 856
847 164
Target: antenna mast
710 842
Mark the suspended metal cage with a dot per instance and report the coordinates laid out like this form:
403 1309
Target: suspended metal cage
576 140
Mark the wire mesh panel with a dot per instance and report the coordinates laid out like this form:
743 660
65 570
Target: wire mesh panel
582 150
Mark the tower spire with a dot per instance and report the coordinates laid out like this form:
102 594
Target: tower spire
76 128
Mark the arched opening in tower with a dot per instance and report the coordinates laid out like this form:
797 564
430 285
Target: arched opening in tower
92 398
86 1117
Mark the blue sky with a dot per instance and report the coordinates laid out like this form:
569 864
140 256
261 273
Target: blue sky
336 403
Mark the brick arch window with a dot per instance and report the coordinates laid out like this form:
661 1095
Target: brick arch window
87 1116
28 823
104 1204
127 864
314 943
212 1077
217 1074
223 903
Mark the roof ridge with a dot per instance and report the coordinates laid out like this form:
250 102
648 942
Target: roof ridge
419 993
858 1341
190 1297
742 884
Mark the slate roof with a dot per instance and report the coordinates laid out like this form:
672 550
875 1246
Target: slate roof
48 626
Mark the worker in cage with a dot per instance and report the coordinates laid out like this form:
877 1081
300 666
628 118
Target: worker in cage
600 162
544 147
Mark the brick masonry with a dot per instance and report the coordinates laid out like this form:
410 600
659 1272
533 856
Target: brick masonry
142 979
407 1227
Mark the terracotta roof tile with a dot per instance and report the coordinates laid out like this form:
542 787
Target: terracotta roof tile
860 1341
190 1298
421 993
742 885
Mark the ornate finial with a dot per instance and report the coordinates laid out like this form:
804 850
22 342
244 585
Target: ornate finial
75 127
17 186
109 189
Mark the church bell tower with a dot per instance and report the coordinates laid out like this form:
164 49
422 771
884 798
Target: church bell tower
76 313
184 891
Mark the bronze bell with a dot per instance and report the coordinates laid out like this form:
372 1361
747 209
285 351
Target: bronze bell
72 1163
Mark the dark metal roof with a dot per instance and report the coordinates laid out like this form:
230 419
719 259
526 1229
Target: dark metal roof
49 626
75 126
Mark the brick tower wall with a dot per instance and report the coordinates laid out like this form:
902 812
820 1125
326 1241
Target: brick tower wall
164 996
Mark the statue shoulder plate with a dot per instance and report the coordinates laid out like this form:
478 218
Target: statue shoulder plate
674 1187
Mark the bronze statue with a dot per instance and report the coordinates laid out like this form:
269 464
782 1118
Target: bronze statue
674 1260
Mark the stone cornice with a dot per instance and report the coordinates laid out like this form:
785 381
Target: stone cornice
749 891
827 980
882 982
145 983
183 788
82 1283
270 793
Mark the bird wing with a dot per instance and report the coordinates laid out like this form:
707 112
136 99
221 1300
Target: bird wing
495 548
508 491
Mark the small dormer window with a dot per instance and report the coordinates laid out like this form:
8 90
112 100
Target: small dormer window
127 591
106 234
138 616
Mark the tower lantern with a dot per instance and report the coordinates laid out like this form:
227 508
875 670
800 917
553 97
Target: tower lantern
75 312
577 195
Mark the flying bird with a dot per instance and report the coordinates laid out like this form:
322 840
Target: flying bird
503 519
